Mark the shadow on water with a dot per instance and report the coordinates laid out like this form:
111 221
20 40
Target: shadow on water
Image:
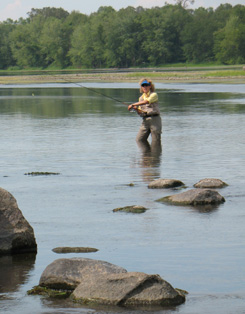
14 271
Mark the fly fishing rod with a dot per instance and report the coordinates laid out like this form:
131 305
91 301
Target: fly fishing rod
95 91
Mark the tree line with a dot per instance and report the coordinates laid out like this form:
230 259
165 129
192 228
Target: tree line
130 37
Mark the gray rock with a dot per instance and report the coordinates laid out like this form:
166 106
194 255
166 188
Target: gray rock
16 234
195 197
210 183
68 273
127 289
165 184
136 209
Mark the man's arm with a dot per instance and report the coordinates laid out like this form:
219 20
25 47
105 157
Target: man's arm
137 104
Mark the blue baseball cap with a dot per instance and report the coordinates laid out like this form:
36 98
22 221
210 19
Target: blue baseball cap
145 82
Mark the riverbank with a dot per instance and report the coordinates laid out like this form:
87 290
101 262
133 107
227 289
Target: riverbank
190 75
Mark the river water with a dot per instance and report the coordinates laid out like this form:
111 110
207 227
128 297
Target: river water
89 140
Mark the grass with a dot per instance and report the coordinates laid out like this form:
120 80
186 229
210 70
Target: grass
226 73
199 73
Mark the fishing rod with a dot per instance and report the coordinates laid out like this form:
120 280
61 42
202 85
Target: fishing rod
95 91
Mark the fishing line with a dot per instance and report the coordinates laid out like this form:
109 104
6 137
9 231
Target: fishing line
95 91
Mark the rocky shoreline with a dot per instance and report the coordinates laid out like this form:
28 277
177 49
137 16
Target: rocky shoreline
205 76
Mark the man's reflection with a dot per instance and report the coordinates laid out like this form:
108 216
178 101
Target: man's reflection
151 159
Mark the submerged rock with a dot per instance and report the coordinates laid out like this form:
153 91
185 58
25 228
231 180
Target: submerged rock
16 234
67 274
127 289
165 184
210 183
195 197
136 209
74 250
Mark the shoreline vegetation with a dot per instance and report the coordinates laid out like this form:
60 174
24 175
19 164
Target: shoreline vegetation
182 74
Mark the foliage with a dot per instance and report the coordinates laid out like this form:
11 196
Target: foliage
230 40
6 57
48 12
130 37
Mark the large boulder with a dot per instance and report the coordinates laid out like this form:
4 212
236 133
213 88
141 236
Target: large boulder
98 282
165 184
210 183
68 273
195 197
16 234
127 289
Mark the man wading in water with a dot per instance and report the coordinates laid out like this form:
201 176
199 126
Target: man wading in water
147 107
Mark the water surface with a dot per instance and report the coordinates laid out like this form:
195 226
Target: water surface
90 140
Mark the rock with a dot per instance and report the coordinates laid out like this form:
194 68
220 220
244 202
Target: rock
165 184
127 289
136 209
16 234
67 274
195 197
100 283
36 173
210 183
74 250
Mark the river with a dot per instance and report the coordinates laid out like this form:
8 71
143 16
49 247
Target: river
89 139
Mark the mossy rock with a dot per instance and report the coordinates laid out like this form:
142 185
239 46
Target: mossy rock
51 293
41 173
74 250
135 209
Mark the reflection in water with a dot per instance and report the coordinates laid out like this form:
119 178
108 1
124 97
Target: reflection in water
14 270
151 160
206 209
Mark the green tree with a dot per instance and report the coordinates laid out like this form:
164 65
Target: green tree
47 12
75 18
123 39
184 3
198 36
221 15
88 39
162 27
230 41
6 57
54 42
25 44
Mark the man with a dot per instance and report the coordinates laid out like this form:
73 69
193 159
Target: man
147 107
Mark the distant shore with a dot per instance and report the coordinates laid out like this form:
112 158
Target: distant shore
229 76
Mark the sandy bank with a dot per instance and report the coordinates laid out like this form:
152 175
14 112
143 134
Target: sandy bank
167 77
